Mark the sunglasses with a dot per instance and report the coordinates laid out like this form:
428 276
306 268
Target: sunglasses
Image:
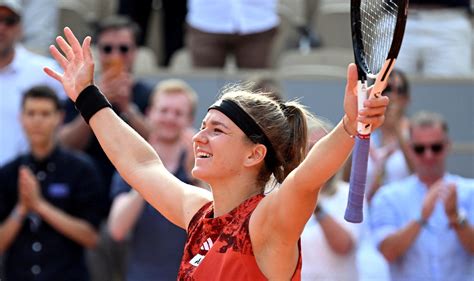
9 20
420 149
108 49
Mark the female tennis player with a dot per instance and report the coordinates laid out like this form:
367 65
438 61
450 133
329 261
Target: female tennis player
234 232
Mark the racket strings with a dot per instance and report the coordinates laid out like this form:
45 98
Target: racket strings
378 20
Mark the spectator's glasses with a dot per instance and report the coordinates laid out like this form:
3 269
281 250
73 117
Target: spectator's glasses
108 49
10 20
436 148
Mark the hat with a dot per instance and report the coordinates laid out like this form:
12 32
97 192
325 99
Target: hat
14 5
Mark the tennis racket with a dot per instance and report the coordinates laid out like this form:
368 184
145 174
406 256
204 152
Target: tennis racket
377 33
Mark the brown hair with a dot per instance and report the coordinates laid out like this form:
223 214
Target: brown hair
426 119
283 123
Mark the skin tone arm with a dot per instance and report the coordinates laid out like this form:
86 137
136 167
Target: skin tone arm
133 157
338 238
299 191
11 226
74 228
124 213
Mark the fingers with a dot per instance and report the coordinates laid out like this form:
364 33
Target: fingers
53 74
86 49
74 43
351 86
58 56
64 46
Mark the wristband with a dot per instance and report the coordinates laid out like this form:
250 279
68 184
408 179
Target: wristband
89 101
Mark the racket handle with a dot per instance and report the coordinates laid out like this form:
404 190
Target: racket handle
355 202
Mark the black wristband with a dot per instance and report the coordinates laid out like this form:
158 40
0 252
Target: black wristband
89 101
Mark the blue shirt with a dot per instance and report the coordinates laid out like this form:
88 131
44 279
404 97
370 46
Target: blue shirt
437 253
156 245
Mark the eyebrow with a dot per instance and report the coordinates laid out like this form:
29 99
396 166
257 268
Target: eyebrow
215 123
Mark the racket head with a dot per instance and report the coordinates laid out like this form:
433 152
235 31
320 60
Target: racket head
377 34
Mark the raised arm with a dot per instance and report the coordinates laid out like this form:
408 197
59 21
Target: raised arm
281 217
133 157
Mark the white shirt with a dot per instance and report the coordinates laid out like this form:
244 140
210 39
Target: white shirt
320 262
25 71
232 16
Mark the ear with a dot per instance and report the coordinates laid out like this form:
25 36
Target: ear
256 155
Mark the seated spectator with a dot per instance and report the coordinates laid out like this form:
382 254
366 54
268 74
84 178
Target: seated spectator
155 243
50 200
423 224
328 242
388 156
20 70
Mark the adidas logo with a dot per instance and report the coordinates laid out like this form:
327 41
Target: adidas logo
207 245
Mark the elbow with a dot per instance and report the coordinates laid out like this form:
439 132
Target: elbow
389 256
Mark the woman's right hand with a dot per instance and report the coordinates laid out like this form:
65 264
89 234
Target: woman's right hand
78 65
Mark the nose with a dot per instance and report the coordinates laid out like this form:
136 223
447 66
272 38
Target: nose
200 137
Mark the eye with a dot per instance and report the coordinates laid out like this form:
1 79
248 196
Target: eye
217 130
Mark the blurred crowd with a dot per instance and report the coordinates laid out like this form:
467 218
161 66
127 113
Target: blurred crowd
66 214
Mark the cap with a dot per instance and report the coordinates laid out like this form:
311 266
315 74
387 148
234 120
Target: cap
13 5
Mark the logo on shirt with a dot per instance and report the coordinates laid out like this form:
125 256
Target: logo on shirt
206 246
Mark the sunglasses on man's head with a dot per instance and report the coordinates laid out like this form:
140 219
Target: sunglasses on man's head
9 20
108 49
435 148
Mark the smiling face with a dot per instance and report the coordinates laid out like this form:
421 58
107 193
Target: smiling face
429 148
170 115
220 148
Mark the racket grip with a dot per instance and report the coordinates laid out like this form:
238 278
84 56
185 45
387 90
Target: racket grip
355 202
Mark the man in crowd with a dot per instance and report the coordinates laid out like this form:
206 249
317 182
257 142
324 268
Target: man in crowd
423 224
50 200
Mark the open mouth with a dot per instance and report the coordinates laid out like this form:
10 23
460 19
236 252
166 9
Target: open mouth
203 155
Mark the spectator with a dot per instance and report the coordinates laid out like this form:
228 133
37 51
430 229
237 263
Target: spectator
423 224
241 28
49 200
19 70
388 161
116 41
437 40
328 242
388 157
155 243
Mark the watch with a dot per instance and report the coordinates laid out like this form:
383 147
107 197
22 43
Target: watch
460 221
